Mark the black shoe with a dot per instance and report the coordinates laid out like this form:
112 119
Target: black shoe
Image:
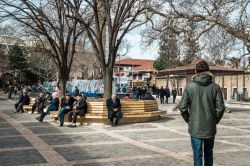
38 118
60 125
73 126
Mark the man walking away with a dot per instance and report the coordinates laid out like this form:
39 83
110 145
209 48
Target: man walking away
162 94
10 91
174 94
202 107
167 93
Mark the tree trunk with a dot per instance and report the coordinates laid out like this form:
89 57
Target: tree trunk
63 83
107 78
63 78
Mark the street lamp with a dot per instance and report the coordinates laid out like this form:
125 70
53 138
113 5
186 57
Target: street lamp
119 70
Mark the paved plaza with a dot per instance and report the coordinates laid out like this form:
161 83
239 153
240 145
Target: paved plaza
24 141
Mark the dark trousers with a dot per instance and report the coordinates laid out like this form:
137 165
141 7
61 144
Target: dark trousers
9 95
72 116
117 115
19 107
166 101
16 105
34 107
198 151
39 107
43 114
162 99
174 97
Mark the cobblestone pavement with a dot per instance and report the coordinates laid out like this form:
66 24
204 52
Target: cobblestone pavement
24 141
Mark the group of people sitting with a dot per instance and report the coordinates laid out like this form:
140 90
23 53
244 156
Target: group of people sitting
45 103
68 103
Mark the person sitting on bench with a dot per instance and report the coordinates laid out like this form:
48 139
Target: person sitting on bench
25 100
53 106
114 110
67 103
81 109
38 103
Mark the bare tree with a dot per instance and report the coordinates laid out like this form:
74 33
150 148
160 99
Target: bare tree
231 16
47 21
106 23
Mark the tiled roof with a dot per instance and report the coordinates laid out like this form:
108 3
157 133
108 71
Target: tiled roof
190 68
138 64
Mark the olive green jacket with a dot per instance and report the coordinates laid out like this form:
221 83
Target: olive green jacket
202 106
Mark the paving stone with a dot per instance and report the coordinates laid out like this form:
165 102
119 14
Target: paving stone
4 125
21 157
233 159
245 128
72 139
235 122
33 124
129 126
228 132
13 142
165 161
66 129
53 135
245 140
2 120
8 131
175 146
142 135
44 130
101 151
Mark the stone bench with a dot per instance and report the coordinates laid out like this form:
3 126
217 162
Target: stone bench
133 112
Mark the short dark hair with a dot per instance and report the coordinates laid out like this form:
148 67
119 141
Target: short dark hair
202 66
79 95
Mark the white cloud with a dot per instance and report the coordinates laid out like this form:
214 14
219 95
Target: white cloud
137 50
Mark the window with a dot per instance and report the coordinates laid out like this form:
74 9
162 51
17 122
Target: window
139 77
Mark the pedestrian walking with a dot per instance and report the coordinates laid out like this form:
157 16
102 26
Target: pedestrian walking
10 91
202 107
162 94
174 94
167 94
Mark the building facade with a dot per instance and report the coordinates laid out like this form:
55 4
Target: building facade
134 72
233 82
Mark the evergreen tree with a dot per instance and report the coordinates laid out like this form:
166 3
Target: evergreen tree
18 63
17 58
168 52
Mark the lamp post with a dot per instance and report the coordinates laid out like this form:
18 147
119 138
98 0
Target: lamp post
119 70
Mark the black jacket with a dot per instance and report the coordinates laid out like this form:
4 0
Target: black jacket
66 103
111 105
81 107
25 100
162 92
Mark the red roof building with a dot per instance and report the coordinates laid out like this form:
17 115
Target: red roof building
134 72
